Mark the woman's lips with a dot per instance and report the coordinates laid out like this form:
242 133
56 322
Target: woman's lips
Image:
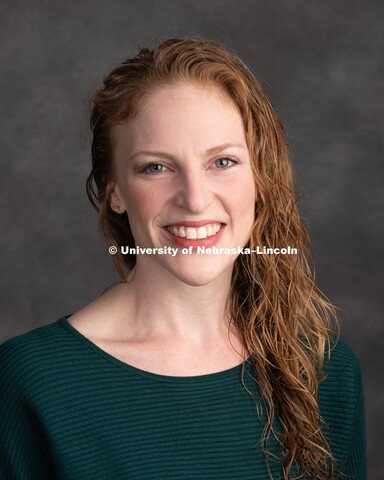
183 242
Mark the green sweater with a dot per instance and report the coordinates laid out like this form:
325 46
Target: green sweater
70 411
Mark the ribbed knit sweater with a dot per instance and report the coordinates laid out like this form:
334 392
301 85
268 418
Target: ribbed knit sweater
71 411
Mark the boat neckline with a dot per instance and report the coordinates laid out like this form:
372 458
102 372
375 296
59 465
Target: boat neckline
208 377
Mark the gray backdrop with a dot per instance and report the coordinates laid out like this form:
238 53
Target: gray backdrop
321 64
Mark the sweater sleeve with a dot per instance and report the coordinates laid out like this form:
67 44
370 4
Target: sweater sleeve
342 406
24 446
356 467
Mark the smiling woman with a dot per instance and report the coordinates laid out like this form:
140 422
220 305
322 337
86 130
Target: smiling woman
196 134
198 364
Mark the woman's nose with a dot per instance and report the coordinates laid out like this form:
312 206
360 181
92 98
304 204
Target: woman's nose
194 193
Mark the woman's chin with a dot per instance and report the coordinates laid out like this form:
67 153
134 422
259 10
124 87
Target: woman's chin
197 281
193 270
198 277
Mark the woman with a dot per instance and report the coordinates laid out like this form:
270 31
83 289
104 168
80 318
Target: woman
213 358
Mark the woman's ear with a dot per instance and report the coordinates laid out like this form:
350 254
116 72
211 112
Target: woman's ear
114 198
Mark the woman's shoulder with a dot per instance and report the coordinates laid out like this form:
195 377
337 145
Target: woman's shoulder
342 381
341 358
23 345
41 345
32 352
27 359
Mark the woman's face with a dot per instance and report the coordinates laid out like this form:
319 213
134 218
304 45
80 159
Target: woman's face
182 172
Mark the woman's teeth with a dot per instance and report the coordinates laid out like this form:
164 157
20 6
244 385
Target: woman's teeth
195 233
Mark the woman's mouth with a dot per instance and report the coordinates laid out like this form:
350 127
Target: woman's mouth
185 236
192 233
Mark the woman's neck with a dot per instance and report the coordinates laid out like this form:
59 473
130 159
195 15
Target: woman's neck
162 305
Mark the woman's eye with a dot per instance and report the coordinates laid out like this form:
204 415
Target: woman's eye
152 168
224 162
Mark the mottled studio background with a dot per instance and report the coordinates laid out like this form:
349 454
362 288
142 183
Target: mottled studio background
321 63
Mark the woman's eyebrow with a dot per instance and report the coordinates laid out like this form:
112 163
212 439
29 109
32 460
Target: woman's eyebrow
210 151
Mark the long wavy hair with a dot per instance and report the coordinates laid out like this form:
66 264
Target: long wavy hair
284 320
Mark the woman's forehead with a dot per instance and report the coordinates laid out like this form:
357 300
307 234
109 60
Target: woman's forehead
182 114
181 92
